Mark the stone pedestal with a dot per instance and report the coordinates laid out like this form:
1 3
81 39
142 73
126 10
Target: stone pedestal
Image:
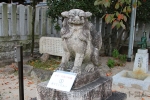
99 89
87 86
141 61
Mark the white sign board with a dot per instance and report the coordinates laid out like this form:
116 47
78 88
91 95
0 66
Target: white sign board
62 80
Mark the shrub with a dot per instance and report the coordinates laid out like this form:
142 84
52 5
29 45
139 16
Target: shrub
122 58
110 63
115 53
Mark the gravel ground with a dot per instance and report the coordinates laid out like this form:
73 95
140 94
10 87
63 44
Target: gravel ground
9 87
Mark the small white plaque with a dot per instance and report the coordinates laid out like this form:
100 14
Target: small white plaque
62 80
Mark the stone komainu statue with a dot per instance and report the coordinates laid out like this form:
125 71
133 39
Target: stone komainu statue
80 41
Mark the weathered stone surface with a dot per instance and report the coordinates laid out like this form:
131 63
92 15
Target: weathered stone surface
136 86
124 80
141 61
104 69
80 41
114 96
82 80
118 96
40 74
27 69
100 89
44 57
51 45
7 70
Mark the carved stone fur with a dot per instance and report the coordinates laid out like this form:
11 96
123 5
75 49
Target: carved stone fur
80 41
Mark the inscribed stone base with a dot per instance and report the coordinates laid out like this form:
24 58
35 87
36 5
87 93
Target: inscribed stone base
99 89
141 61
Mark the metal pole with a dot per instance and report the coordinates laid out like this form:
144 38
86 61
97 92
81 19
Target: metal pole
132 31
20 72
18 55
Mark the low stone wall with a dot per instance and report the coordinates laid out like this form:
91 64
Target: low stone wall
7 49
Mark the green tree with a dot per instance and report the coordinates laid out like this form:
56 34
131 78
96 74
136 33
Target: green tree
56 7
117 11
116 14
143 11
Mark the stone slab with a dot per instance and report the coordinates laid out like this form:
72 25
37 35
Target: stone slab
51 45
141 61
44 57
27 69
100 89
131 82
41 74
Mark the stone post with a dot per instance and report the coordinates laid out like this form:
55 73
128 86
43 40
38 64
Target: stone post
29 20
43 21
37 20
13 22
141 61
4 21
21 27
49 26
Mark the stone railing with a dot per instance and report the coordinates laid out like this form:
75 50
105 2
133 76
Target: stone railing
16 27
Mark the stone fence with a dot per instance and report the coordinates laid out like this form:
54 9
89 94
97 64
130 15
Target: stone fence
16 27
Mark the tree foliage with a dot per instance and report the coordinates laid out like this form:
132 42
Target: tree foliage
117 11
143 11
55 7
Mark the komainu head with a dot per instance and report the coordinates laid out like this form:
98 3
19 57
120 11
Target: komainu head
76 16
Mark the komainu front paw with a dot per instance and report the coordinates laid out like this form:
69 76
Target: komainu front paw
89 68
76 70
